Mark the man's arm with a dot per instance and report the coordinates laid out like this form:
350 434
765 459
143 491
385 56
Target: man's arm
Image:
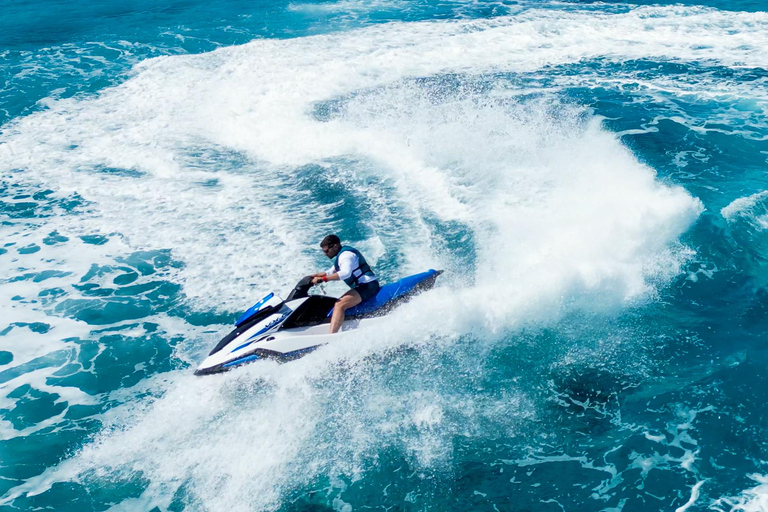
324 276
346 264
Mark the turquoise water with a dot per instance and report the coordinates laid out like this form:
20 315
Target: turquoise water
591 176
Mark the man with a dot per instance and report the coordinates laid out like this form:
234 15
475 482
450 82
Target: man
349 266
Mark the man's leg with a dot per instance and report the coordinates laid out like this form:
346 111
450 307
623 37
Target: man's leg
346 301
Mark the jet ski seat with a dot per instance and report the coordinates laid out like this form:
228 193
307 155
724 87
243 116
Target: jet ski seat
392 293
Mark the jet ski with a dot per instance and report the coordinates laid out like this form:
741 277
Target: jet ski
274 328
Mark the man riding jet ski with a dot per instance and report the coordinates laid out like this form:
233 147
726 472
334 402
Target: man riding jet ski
287 329
350 266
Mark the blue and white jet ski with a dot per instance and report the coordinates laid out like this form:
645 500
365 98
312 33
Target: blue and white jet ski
274 328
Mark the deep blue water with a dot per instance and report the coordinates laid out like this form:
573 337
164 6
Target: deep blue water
591 176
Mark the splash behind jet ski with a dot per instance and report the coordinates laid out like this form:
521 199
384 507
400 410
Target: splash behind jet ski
274 328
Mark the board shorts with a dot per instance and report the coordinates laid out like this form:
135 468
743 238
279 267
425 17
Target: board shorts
367 290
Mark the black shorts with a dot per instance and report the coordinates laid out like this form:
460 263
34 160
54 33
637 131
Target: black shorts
367 290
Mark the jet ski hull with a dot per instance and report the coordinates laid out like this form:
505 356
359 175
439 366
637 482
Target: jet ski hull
286 330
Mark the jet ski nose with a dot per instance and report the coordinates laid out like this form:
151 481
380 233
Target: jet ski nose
208 371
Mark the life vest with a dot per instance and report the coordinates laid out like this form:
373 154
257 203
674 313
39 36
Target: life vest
362 269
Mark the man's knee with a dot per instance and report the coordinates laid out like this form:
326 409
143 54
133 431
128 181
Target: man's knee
341 305
345 302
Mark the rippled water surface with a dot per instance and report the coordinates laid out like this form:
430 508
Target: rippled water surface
590 175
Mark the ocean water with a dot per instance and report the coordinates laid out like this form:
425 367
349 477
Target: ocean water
590 175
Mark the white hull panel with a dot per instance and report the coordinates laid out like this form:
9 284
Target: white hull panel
278 344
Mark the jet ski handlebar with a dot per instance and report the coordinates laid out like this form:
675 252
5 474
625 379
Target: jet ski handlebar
301 289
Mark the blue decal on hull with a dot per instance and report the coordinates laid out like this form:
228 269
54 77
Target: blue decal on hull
261 331
247 359
252 310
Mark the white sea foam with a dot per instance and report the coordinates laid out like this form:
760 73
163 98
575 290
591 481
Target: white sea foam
754 208
562 217
754 499
254 98
244 439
